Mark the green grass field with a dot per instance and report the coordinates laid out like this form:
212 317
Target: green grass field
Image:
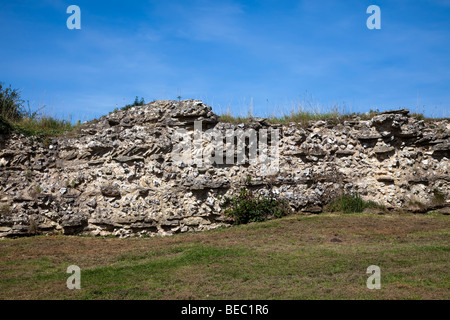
298 257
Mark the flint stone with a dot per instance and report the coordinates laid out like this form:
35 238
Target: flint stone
367 135
345 152
383 149
128 159
442 147
110 191
385 179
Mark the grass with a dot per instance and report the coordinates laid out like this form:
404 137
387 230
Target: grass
351 203
288 258
300 117
42 126
310 111
14 117
5 210
438 197
137 103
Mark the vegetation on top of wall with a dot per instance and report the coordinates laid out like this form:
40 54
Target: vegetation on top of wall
14 117
137 103
11 105
302 116
299 117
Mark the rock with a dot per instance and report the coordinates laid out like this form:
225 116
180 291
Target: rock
442 147
399 111
368 135
169 223
318 153
418 179
387 179
345 152
444 211
128 159
110 191
92 203
383 149
313 209
113 122
195 221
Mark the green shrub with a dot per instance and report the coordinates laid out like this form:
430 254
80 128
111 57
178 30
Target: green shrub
14 117
350 204
41 125
5 210
11 105
439 197
5 126
137 102
247 207
32 227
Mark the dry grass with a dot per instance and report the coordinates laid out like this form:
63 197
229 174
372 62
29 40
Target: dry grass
289 258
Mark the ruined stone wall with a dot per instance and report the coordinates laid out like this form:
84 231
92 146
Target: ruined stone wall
117 175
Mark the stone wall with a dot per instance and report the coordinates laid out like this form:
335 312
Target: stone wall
117 176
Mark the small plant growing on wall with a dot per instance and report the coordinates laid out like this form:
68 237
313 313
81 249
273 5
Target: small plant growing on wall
29 174
5 210
351 203
36 191
32 228
438 197
248 207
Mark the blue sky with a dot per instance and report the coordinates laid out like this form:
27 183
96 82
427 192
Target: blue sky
268 54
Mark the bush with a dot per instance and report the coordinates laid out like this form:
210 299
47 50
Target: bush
11 105
5 126
438 197
350 204
42 125
14 117
137 102
5 210
248 207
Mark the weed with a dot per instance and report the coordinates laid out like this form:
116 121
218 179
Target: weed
417 206
28 174
247 207
36 191
11 105
350 204
137 102
14 117
32 228
438 198
5 210
228 118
